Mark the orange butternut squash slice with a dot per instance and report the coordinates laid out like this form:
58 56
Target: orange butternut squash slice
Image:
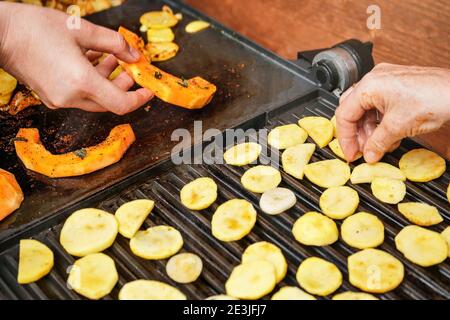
11 195
36 158
194 93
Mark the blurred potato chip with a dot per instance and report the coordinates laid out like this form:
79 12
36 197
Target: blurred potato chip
421 214
374 271
294 159
260 179
196 26
365 173
328 173
160 35
339 202
286 136
422 165
318 276
320 129
242 154
158 20
421 246
315 229
162 51
388 190
362 230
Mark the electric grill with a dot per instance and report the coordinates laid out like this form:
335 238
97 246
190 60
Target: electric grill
256 89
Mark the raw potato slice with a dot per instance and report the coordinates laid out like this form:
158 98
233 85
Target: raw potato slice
162 51
339 202
333 122
35 261
156 243
160 35
446 235
93 276
328 173
251 280
294 159
292 293
196 26
318 276
320 129
276 201
286 136
131 216
421 214
362 230
261 178
388 190
421 246
337 150
350 295
242 154
315 229
365 173
422 165
184 267
269 252
374 271
199 194
149 290
88 231
233 220
158 20
221 297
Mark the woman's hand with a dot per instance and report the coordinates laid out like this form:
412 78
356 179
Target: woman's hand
38 48
390 103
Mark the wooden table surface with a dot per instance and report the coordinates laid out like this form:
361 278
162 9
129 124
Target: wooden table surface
412 31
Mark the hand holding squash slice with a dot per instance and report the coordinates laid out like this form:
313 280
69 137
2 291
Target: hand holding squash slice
11 195
35 157
194 93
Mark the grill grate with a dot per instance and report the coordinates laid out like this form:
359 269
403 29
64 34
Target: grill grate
219 258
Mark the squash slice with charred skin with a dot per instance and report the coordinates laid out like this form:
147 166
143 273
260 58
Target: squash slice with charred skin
194 93
36 158
11 195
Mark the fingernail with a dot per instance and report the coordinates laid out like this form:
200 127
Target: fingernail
370 157
134 53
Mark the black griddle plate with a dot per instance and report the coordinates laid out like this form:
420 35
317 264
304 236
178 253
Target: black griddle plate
163 185
250 81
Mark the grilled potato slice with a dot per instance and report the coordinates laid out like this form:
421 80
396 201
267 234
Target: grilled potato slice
149 290
184 267
196 26
88 231
337 150
261 178
233 220
158 20
374 271
220 297
131 216
156 243
365 173
318 276
35 261
339 202
315 229
269 252
421 246
333 122
294 159
446 235
7 86
320 129
251 280
421 214
93 276
388 190
292 293
199 194
328 173
286 136
160 35
276 201
422 165
350 295
161 51
242 154
362 230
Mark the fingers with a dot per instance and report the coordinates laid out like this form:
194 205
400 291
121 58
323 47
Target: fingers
93 55
98 38
107 66
383 139
123 81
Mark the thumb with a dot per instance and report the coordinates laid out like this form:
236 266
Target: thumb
380 142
